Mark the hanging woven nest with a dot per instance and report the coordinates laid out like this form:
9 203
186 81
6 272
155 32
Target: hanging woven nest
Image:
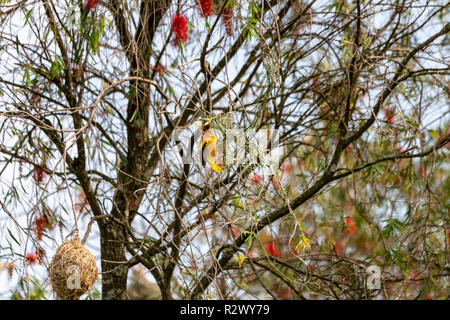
73 270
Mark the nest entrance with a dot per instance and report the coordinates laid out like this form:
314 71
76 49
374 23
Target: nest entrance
73 270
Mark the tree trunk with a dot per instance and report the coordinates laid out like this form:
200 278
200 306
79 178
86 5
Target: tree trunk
114 269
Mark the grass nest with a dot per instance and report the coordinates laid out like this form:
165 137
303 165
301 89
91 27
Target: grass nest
73 270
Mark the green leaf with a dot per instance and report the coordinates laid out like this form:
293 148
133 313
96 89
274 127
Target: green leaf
434 134
12 236
27 16
388 230
237 202
57 67
249 239
131 92
94 40
26 80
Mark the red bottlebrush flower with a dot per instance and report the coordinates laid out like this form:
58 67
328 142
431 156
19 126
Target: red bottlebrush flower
227 18
256 179
349 226
179 28
39 175
31 258
41 225
205 7
272 249
90 4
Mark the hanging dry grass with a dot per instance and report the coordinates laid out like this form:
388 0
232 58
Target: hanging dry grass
73 270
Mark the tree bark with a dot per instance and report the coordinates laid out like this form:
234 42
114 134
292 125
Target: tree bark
113 261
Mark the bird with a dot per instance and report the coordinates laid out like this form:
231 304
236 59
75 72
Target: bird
208 145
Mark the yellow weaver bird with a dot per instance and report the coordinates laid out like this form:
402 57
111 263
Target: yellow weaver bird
208 145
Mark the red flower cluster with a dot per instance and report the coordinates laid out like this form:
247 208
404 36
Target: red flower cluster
205 7
39 175
349 226
90 4
272 249
179 28
227 18
41 224
31 258
35 257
